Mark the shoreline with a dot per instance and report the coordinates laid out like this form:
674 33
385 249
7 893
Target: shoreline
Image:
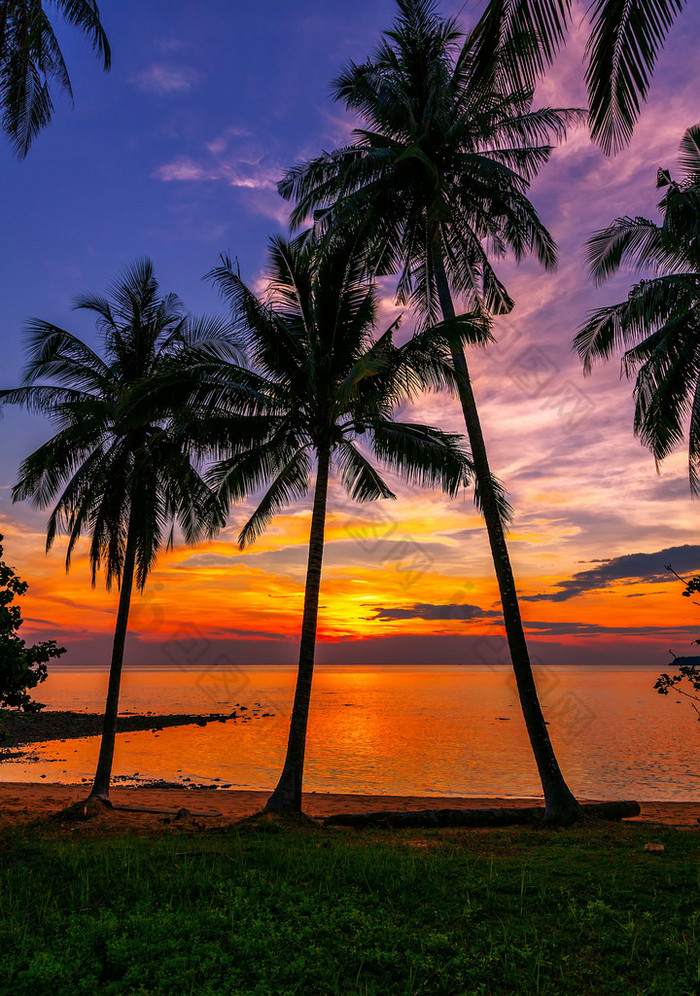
23 802
23 729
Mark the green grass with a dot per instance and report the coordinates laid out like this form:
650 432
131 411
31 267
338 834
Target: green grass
267 910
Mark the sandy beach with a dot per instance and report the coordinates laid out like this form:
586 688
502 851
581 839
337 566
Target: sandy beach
23 803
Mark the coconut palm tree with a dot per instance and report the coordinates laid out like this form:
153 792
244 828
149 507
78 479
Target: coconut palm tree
439 174
658 326
115 469
623 44
330 388
31 62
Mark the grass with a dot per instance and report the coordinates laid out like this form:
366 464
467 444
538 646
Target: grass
267 909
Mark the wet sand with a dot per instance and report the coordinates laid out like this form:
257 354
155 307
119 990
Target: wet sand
22 803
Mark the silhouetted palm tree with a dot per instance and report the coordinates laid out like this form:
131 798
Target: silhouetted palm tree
328 383
115 469
658 326
31 62
623 45
439 175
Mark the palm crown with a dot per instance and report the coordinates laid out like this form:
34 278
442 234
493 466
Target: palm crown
443 158
110 464
320 380
658 326
31 62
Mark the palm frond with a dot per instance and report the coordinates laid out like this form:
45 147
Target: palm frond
626 37
505 509
636 240
422 454
290 484
360 479
689 156
31 63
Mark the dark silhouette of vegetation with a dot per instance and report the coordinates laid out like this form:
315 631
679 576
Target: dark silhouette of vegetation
22 668
31 62
116 469
329 388
686 679
658 326
624 41
439 171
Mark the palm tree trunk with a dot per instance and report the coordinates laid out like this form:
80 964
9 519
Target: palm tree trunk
103 774
287 795
559 800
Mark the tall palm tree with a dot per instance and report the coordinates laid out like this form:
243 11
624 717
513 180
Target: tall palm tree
624 41
658 326
31 62
328 383
116 469
439 173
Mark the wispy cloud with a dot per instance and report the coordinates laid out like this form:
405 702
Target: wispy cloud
162 79
232 157
236 173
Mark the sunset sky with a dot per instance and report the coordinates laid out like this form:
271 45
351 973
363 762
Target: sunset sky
175 155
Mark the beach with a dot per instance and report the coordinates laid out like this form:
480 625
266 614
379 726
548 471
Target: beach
21 804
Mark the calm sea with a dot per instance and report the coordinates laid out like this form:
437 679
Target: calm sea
415 730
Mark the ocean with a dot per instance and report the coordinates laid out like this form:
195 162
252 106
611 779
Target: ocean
432 731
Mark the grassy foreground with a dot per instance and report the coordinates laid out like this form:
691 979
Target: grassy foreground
266 909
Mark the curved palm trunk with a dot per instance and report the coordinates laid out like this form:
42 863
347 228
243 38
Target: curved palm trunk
559 800
103 774
287 795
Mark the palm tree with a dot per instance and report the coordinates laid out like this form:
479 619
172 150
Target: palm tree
116 469
439 173
623 45
328 383
31 62
658 326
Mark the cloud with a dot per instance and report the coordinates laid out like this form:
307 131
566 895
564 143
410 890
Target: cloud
592 629
182 169
162 79
633 567
234 172
424 610
402 554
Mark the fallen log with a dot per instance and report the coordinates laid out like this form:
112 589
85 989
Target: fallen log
427 818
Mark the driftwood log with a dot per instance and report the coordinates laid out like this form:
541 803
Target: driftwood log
426 818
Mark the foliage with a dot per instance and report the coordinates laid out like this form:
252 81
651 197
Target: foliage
441 158
658 326
321 380
21 667
31 62
262 910
116 456
687 674
437 180
623 45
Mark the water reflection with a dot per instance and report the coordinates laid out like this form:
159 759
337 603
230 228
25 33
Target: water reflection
443 731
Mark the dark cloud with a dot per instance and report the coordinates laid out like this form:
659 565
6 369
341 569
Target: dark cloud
424 610
591 629
632 567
